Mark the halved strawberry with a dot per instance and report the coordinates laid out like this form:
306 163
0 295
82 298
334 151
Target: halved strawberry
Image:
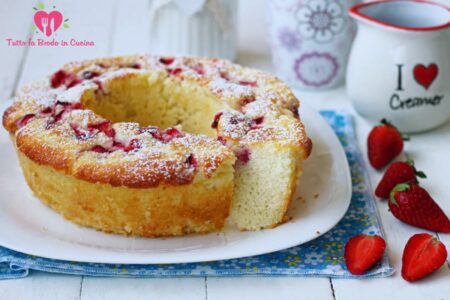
362 252
423 255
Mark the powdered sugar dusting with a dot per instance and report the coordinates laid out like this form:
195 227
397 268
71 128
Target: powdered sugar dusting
234 125
229 89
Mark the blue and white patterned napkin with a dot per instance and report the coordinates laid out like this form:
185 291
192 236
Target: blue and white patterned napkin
320 257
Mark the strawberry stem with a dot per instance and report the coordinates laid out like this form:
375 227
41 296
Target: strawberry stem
418 173
386 122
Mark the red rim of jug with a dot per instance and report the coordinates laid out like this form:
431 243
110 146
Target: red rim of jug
354 10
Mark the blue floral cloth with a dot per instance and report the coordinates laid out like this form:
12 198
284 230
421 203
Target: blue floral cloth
323 256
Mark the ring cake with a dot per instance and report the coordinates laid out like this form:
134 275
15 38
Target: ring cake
160 146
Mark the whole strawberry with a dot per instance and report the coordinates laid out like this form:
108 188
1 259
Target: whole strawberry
362 252
384 143
423 255
413 205
398 172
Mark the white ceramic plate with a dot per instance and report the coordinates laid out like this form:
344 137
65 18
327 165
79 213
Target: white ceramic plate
28 226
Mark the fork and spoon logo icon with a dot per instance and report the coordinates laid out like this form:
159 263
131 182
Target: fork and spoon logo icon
48 23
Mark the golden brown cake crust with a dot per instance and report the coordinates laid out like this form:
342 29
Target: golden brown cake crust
138 212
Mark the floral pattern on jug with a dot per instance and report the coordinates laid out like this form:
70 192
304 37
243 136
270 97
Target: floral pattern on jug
316 69
320 20
310 41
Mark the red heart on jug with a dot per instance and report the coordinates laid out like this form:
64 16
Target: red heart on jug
425 75
48 23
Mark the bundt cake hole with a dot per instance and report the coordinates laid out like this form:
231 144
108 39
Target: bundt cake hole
155 102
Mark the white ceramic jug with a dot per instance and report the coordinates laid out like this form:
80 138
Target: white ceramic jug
399 65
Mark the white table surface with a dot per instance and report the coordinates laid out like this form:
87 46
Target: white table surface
120 27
